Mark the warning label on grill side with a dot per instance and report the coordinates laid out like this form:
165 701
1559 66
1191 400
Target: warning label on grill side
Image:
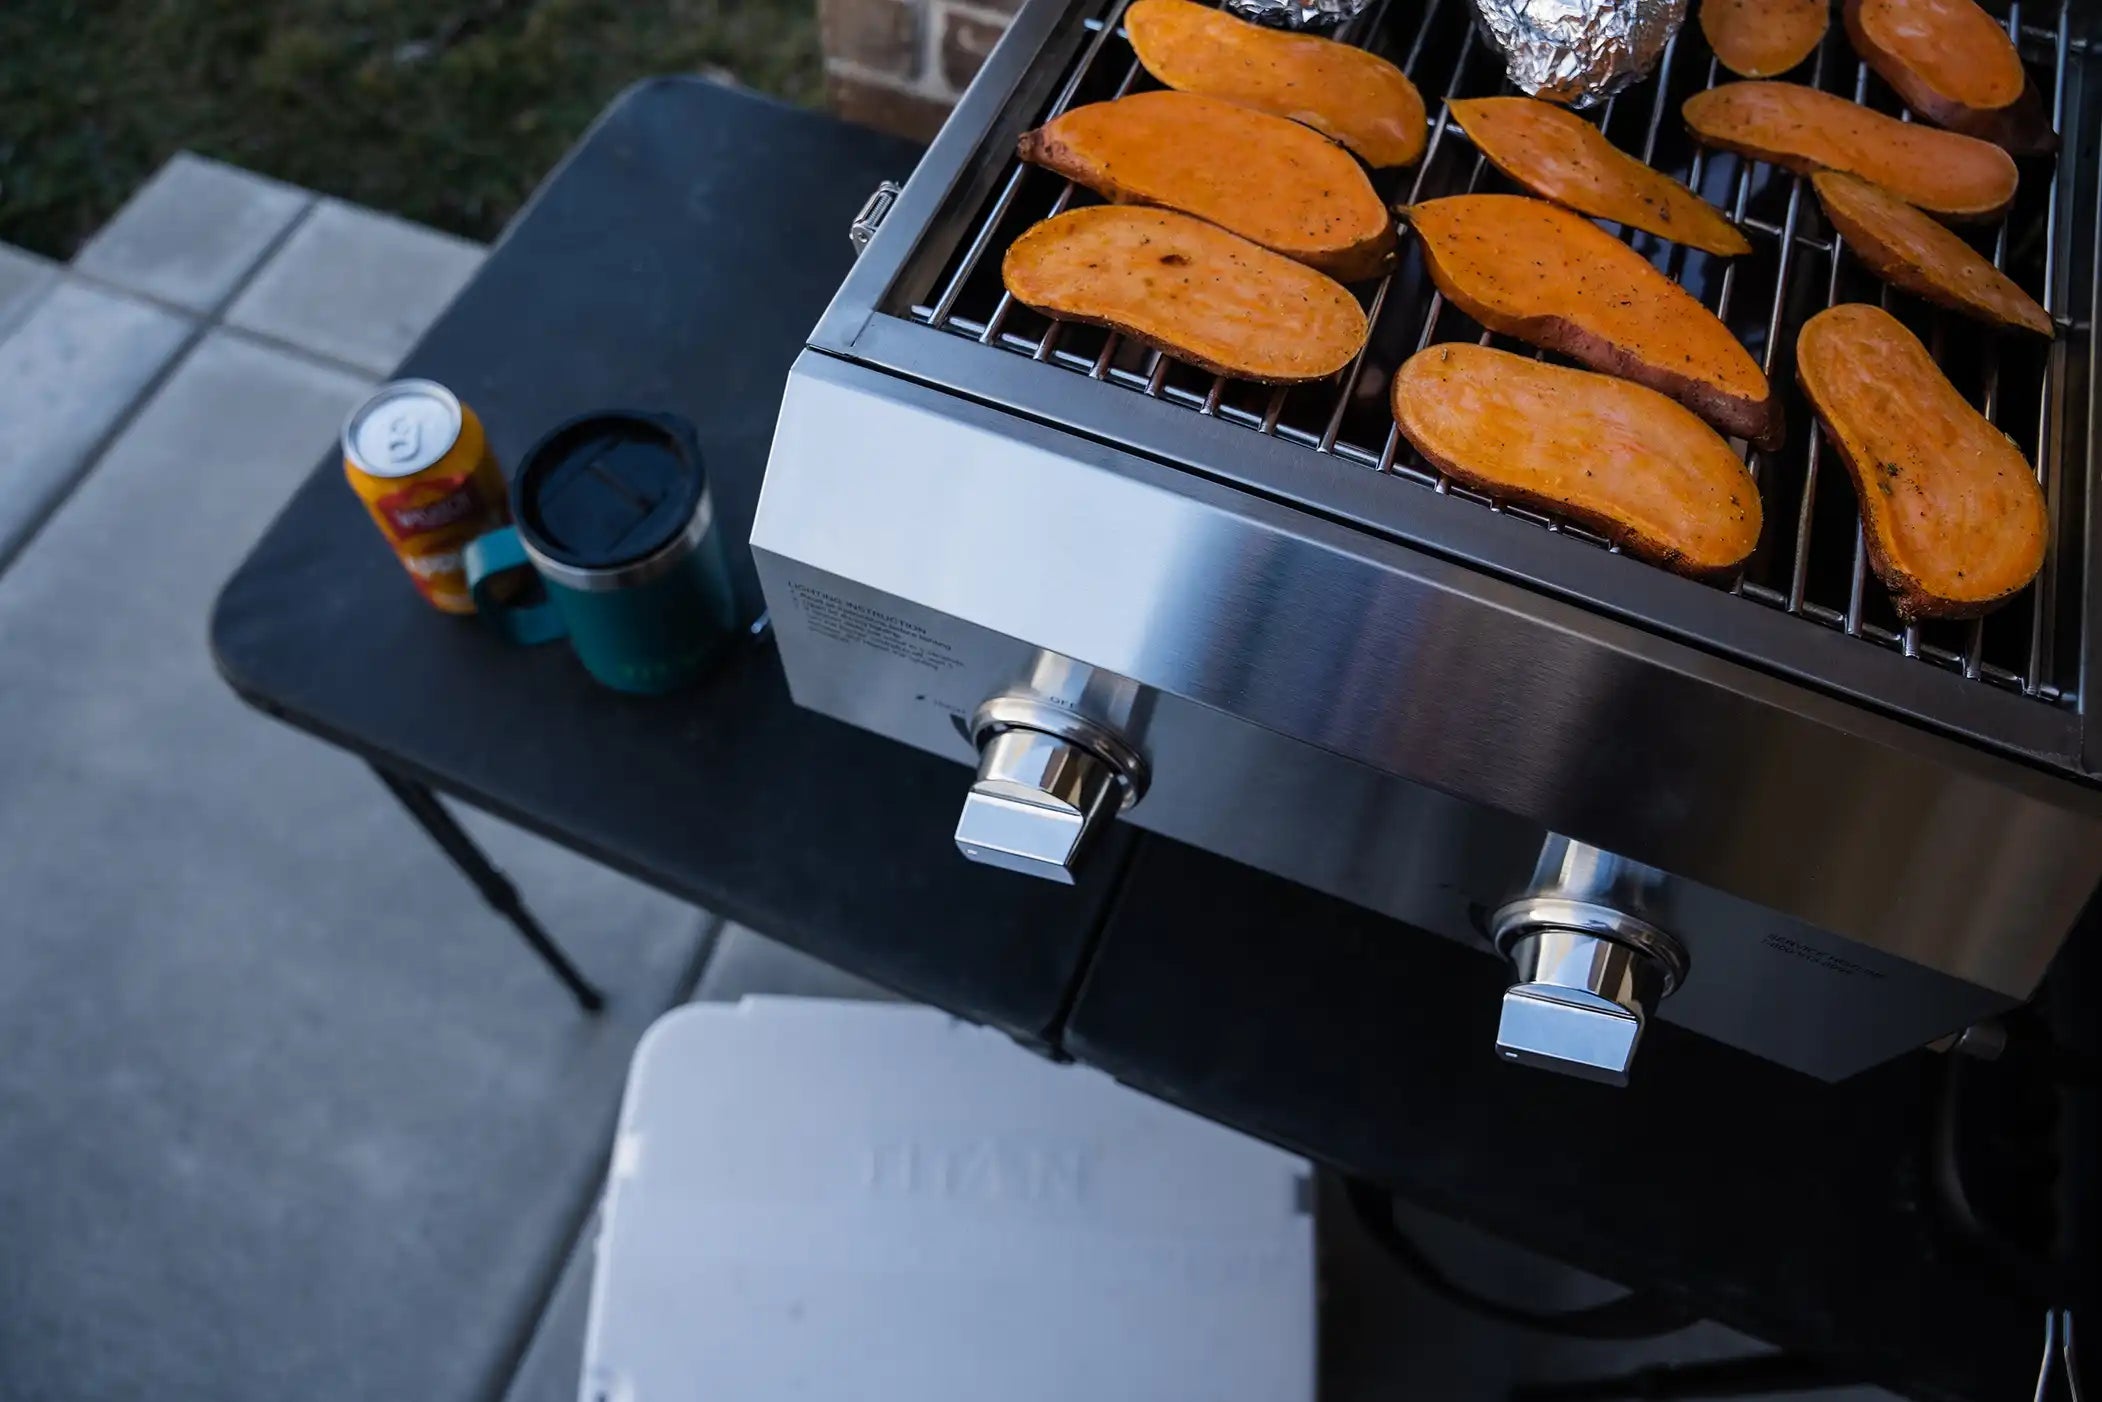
846 621
1795 948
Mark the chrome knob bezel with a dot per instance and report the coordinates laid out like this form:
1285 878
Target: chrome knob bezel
1049 780
1590 977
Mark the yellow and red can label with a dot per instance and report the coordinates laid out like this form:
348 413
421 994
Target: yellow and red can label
419 461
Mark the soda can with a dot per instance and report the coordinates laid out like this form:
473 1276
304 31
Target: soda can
417 457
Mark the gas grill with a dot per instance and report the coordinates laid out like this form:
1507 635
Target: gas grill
1253 619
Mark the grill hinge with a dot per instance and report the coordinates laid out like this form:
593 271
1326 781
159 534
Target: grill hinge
874 211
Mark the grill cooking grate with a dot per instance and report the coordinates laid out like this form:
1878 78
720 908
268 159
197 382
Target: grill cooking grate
1811 562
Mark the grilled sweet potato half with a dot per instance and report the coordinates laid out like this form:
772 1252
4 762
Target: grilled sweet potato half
1954 65
1342 92
1763 38
1531 270
1947 174
1617 457
1951 513
1561 157
1275 182
1907 249
1187 288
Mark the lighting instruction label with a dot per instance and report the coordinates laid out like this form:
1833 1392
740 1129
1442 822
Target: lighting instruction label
845 621
1795 948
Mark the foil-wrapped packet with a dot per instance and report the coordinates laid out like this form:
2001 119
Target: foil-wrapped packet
1313 16
1580 51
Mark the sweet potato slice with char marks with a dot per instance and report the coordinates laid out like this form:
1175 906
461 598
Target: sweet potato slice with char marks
1954 65
1189 289
1528 269
1275 182
1804 130
1951 513
1342 92
1907 249
1614 456
1763 38
1561 157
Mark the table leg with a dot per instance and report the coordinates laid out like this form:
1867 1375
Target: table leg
496 888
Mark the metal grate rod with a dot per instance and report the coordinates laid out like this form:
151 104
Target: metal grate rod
1379 295
1368 22
2094 395
1662 99
1937 346
2050 446
1799 568
1857 582
1782 273
1775 231
1782 269
1443 124
1432 312
947 302
1700 152
1989 404
1049 341
1364 23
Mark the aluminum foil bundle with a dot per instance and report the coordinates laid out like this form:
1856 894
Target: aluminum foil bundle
1314 16
1580 51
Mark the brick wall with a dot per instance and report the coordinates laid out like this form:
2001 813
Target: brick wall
901 64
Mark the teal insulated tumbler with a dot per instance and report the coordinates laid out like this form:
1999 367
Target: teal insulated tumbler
612 513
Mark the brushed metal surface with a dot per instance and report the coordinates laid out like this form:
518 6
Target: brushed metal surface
1797 995
1514 549
1899 842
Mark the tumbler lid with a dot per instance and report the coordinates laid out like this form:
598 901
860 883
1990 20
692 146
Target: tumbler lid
608 490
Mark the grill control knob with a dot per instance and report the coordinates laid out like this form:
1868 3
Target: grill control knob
1589 977
1049 781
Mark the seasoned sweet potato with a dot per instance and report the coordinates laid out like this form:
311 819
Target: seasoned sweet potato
1762 38
1954 65
1952 515
1342 92
1531 270
1289 189
1561 157
1188 288
1617 457
1954 176
1907 249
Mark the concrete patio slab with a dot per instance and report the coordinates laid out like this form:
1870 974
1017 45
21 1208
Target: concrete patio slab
70 369
193 233
355 286
22 276
553 1363
288 1112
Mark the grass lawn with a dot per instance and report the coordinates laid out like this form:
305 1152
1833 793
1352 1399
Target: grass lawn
443 111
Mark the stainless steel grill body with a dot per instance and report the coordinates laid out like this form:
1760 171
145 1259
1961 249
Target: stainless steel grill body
1340 667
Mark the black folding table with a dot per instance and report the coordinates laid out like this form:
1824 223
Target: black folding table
674 262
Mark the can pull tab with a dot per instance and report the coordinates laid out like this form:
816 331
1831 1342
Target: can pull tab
874 210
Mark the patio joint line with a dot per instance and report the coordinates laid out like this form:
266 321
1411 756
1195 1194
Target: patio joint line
199 328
